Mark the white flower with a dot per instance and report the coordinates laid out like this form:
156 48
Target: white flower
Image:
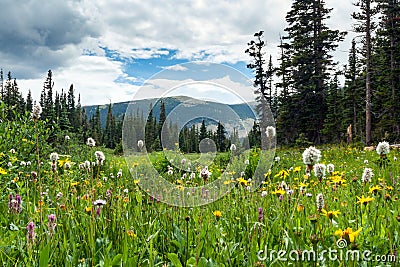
192 176
36 111
12 151
126 191
119 174
67 165
367 175
311 156
383 148
22 163
277 159
67 138
170 172
330 167
205 173
366 161
394 158
99 202
270 132
28 163
264 193
54 157
183 161
233 147
100 157
90 142
246 162
319 170
140 144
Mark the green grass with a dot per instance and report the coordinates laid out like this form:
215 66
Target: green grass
134 229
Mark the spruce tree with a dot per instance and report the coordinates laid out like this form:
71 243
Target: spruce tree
309 43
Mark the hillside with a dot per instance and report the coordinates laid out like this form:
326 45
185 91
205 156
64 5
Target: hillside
192 108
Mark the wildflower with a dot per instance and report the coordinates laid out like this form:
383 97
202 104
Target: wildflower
12 151
348 234
2 171
242 181
270 131
130 233
330 168
246 162
383 148
308 195
319 171
264 193
330 214
99 202
277 159
364 200
53 167
14 204
320 201
233 147
367 175
52 223
205 173
279 192
297 169
375 189
100 157
36 111
282 173
300 208
54 157
366 162
22 163
260 214
217 214
59 195
9 164
28 163
140 144
183 161
30 236
90 142
119 174
67 138
170 172
311 156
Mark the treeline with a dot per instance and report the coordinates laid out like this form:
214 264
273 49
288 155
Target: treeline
157 133
62 112
306 98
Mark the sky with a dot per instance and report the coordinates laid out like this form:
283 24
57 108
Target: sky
109 49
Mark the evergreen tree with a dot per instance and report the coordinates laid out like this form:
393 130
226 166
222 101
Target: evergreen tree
221 138
150 129
203 130
29 102
332 126
48 108
71 105
264 95
309 44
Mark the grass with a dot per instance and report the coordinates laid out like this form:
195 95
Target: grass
242 228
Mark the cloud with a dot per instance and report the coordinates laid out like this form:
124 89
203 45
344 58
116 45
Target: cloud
92 43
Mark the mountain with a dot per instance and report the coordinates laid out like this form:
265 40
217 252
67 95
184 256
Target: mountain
181 109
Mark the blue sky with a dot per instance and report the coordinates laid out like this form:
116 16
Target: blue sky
108 49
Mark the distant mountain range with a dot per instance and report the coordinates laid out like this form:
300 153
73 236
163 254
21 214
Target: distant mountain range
181 106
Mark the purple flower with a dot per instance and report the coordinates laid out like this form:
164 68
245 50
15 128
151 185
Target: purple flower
14 204
260 214
30 236
52 223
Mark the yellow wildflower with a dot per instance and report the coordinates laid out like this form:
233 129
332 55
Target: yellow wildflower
348 234
330 213
364 200
2 171
217 214
130 233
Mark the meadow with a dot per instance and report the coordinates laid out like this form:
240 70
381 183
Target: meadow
74 204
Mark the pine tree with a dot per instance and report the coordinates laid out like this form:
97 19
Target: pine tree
203 130
29 102
71 105
332 125
48 108
309 44
221 138
264 95
150 130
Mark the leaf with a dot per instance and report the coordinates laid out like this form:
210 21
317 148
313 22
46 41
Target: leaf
13 227
44 256
174 259
116 260
202 262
